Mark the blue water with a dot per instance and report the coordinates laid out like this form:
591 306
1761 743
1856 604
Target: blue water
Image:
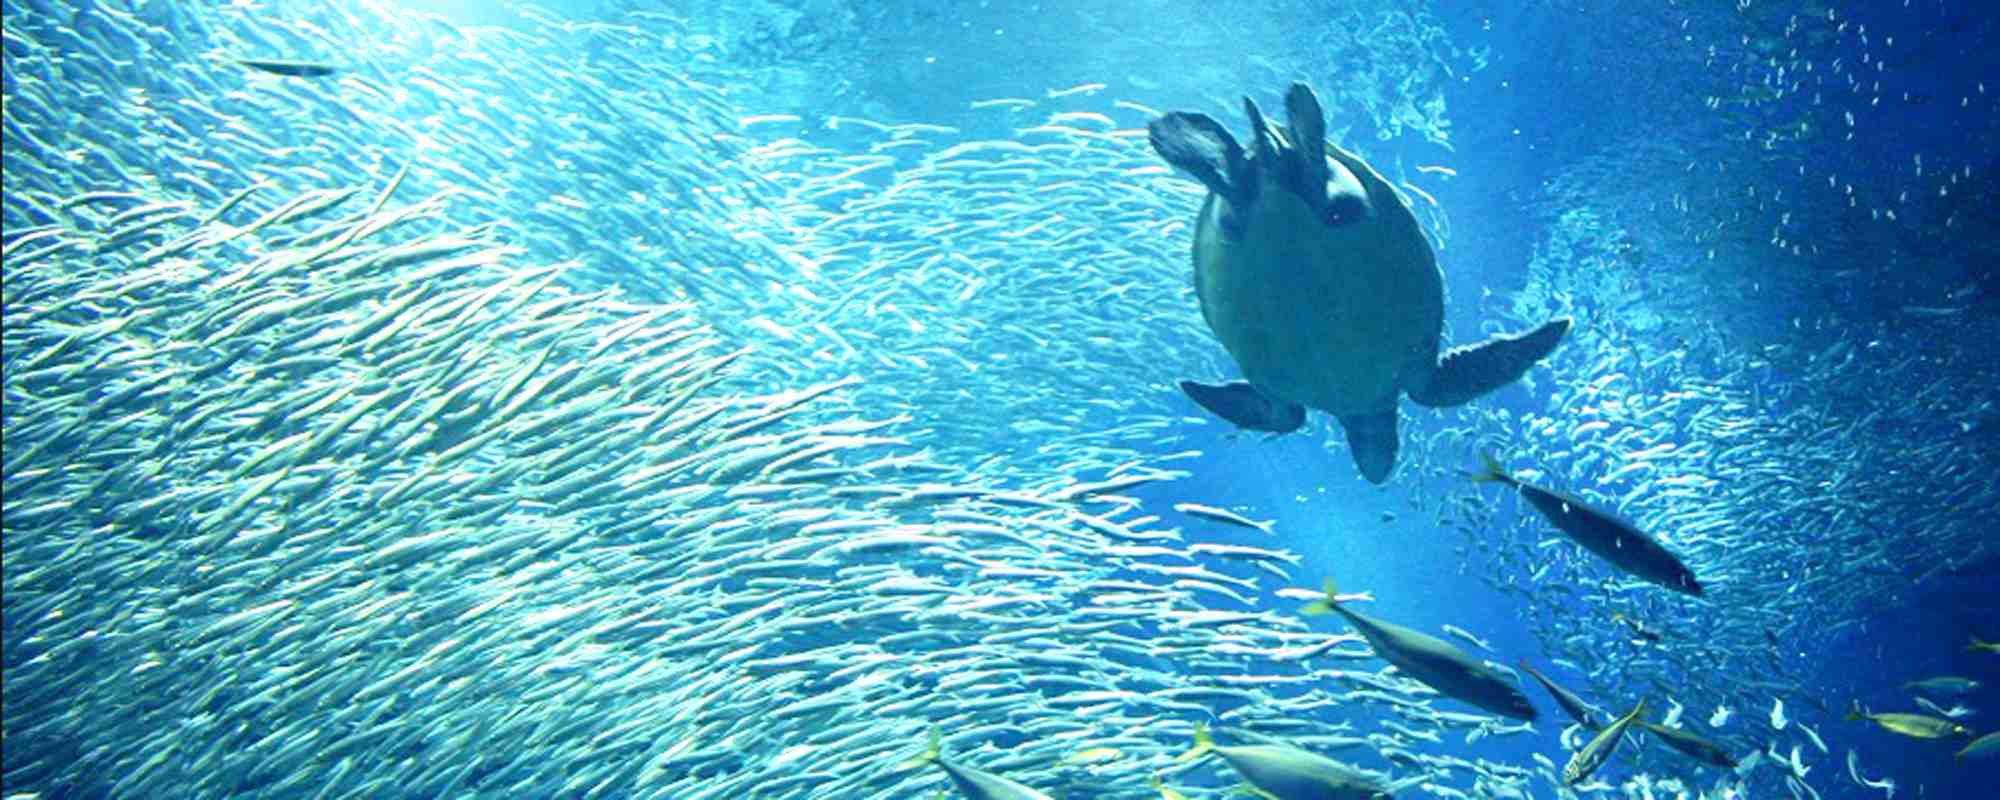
1546 109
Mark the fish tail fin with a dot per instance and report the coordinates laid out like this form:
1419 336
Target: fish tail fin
1490 470
933 750
1202 744
1325 604
1855 712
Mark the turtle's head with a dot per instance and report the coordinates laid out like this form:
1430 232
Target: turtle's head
1287 170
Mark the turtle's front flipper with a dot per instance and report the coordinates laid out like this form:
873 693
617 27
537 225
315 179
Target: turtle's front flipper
1470 371
1373 439
1242 404
1201 146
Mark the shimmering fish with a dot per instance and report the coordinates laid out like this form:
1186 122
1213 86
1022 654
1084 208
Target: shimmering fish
1433 661
1612 537
975 784
1094 755
1957 710
1854 772
1600 748
1915 726
1222 515
1640 632
1280 772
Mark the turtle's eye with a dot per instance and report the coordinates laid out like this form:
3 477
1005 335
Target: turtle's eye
1342 208
1232 223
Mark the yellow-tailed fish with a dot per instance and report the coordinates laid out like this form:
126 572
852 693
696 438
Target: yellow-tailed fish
1599 749
1436 662
1289 773
1915 726
975 784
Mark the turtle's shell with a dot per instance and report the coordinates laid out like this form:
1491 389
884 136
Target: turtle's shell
1332 314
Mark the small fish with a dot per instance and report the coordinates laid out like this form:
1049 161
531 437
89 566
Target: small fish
1793 764
1934 311
1222 515
1957 710
1639 629
1854 771
1086 88
1811 734
1981 646
1599 749
1094 755
1915 726
293 69
1610 536
1945 685
1778 721
1166 792
1467 636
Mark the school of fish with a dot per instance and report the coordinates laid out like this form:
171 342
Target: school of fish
376 426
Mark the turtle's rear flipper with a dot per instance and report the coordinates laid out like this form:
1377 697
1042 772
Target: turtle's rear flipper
1470 371
1373 439
1242 404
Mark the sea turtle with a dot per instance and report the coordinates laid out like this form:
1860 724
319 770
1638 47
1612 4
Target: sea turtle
1322 285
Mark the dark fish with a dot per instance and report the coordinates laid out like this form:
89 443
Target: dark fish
1692 746
1611 537
1571 704
295 69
